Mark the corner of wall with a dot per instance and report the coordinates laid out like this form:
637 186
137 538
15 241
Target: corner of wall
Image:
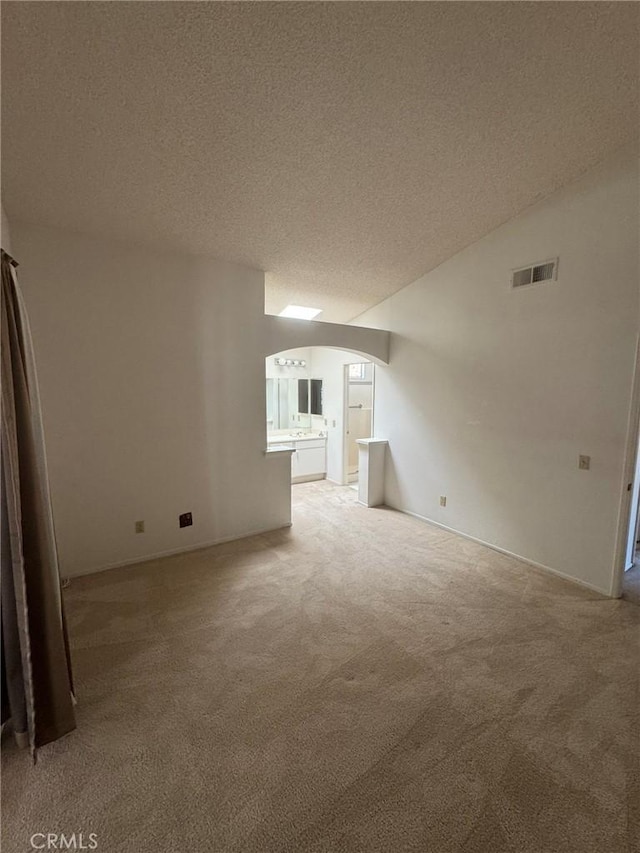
5 233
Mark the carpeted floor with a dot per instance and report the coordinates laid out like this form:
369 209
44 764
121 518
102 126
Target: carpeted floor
363 682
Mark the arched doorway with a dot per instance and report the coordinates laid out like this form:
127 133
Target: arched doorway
319 401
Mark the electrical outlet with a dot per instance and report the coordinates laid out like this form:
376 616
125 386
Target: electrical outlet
186 519
139 526
443 500
584 463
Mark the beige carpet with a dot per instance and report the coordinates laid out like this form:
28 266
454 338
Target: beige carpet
364 682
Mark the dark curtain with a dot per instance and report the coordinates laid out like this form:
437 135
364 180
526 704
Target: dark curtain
37 688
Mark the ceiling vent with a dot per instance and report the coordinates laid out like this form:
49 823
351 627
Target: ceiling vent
534 274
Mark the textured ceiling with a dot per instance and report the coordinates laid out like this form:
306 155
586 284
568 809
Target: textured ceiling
345 148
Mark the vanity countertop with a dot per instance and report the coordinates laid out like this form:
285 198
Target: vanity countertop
289 437
280 448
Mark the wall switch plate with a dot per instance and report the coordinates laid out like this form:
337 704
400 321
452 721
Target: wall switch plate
186 519
139 526
443 500
584 463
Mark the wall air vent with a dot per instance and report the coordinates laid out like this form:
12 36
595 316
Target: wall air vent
534 274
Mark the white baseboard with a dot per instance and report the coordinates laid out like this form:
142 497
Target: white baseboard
200 546
504 551
173 551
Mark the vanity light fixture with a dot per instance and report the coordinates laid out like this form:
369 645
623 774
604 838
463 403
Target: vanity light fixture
299 312
290 362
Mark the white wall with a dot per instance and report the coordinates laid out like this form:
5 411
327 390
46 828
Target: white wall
490 395
151 369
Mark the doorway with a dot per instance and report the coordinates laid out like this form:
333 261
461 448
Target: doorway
319 401
634 519
626 581
358 414
631 577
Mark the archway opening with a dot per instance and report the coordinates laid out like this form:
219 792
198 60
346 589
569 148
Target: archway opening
319 402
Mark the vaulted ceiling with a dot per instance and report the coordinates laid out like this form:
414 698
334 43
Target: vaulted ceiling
344 148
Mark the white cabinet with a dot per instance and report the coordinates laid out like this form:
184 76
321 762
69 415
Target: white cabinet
309 457
309 461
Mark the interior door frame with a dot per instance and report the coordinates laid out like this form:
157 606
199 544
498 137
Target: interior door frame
634 514
345 423
345 413
629 484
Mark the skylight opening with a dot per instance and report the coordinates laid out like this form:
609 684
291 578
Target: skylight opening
299 312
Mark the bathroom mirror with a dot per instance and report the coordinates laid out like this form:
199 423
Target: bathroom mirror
303 395
310 396
287 408
315 396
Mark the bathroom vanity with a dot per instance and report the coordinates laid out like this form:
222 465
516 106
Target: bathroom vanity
309 457
294 418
